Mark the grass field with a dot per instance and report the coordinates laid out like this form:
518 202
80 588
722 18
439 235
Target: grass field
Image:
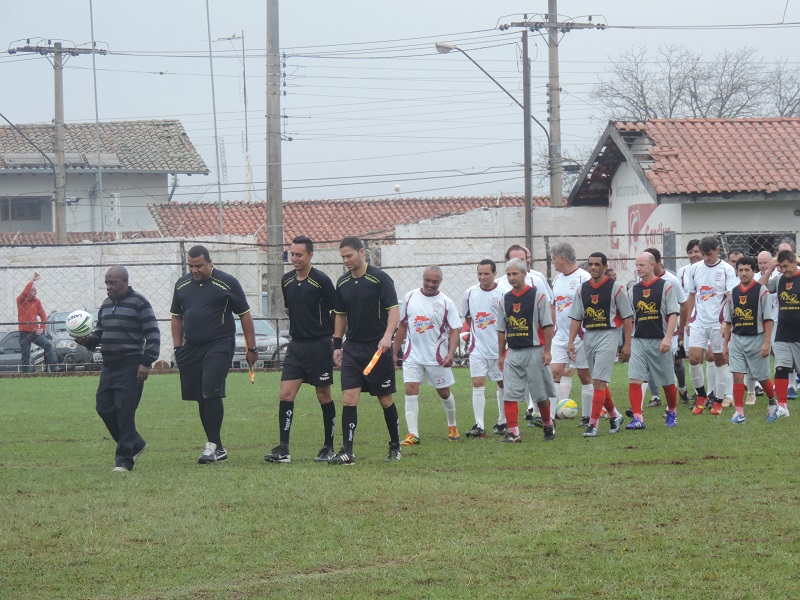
704 510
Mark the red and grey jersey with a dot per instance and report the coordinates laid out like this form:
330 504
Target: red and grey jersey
653 303
523 317
602 306
788 290
748 309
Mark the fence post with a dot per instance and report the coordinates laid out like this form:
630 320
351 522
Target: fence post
183 257
670 251
547 258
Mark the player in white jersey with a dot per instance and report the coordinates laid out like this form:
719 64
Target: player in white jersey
429 326
569 279
478 307
535 279
694 255
708 284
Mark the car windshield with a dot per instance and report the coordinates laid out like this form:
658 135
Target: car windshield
59 320
261 325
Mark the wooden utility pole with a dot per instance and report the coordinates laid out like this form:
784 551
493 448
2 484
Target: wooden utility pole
274 177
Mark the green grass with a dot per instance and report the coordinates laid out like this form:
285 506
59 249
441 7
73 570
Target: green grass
704 510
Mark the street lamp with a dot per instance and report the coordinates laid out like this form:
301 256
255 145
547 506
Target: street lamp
444 48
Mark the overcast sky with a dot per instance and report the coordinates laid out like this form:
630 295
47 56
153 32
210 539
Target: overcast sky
370 104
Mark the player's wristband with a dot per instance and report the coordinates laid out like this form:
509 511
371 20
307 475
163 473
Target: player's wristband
337 343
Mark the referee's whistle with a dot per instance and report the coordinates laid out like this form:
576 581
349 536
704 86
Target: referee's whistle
373 362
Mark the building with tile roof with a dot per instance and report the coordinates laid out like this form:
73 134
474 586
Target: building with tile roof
695 176
136 159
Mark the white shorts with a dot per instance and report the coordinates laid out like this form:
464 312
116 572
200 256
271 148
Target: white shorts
560 357
484 367
703 337
437 375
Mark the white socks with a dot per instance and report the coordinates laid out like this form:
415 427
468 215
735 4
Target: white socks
698 378
412 414
501 398
479 404
724 387
449 405
587 392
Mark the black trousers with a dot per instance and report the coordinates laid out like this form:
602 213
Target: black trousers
118 396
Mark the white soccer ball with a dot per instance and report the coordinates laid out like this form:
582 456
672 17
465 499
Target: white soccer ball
567 409
79 323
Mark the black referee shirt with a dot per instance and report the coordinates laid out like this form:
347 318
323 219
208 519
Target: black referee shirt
309 303
208 306
366 301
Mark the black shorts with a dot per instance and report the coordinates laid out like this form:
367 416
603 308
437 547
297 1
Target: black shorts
204 368
355 357
309 360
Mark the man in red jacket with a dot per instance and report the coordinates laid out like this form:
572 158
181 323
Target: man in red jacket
32 319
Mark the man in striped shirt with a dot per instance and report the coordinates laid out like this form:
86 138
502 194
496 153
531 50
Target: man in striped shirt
130 341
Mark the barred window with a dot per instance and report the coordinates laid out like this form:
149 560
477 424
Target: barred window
21 209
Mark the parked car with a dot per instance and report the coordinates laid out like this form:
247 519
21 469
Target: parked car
71 354
11 353
271 345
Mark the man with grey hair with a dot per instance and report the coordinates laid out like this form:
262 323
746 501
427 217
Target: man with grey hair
525 323
569 280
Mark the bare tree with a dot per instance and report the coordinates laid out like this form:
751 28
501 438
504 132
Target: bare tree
731 86
785 85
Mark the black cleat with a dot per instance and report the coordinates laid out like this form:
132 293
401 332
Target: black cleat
584 422
501 428
535 422
325 455
476 432
343 457
654 401
529 414
684 396
279 454
395 454
550 433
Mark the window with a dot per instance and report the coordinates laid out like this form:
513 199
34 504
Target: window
21 209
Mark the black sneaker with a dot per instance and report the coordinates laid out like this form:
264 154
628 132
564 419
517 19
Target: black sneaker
654 401
684 397
325 455
279 454
535 421
343 457
629 413
476 432
550 433
501 428
395 454
529 414
584 422
212 454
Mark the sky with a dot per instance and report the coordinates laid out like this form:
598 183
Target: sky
371 109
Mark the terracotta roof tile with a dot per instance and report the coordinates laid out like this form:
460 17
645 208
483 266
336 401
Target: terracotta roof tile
322 220
48 238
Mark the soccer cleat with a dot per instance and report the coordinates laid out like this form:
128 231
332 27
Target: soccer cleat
476 432
616 423
584 422
634 425
500 428
759 390
550 433
452 434
738 418
343 457
654 401
410 440
511 439
279 454
529 414
727 402
535 421
772 413
751 398
212 454
716 409
699 406
671 419
791 393
591 431
783 412
139 453
629 413
395 454
684 396
325 455
710 400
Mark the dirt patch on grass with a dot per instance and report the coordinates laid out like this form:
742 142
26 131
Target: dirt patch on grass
647 463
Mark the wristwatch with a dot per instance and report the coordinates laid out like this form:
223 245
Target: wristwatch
253 349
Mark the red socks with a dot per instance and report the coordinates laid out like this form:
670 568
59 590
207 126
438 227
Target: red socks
671 392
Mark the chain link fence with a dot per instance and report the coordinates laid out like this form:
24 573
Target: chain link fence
72 276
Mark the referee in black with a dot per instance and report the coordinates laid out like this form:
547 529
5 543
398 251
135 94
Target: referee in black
130 342
203 331
367 308
309 297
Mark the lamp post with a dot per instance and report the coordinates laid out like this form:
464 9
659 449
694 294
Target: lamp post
444 48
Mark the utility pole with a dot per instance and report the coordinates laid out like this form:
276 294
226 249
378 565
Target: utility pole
274 178
60 192
553 27
527 145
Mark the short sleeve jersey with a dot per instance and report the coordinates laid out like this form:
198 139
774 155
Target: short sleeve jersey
601 306
309 303
788 290
710 284
533 279
653 303
523 316
748 309
481 307
208 306
366 301
430 320
564 288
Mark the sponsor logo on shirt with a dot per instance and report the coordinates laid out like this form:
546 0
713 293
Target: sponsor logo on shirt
422 324
706 292
484 320
563 302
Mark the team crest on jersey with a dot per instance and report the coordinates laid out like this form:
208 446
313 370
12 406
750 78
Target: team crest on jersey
742 299
437 306
646 293
563 302
595 298
422 324
706 292
483 320
789 285
516 307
